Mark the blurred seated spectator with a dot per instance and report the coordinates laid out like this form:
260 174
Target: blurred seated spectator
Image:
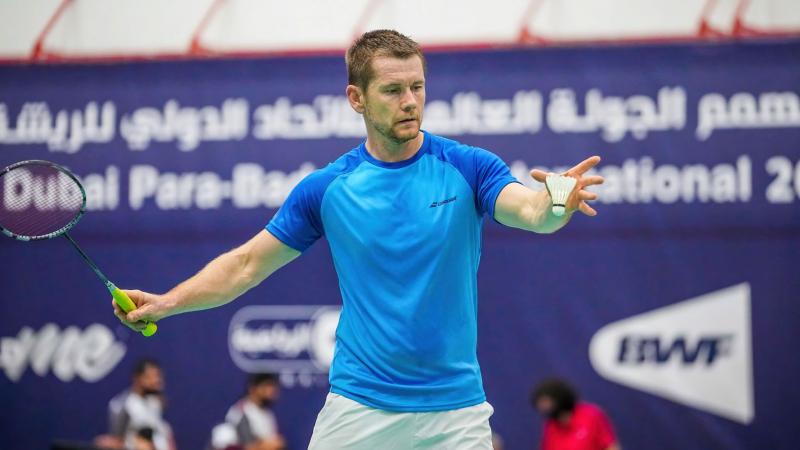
136 419
571 424
250 423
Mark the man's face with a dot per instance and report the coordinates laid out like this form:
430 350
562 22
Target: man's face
395 97
151 381
266 393
545 406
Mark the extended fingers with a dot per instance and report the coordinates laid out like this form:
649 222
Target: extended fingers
539 175
592 180
586 209
586 195
585 165
581 168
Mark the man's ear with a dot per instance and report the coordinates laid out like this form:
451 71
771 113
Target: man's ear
356 98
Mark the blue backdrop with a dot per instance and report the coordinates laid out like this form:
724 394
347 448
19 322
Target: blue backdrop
184 160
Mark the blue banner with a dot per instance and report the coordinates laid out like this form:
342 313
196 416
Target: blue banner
675 309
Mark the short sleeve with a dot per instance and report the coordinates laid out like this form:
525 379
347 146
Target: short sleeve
298 223
245 432
492 175
547 442
118 422
484 171
118 417
605 432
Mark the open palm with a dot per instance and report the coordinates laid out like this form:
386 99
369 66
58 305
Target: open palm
579 196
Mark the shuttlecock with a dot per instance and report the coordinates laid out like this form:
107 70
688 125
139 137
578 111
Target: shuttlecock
559 187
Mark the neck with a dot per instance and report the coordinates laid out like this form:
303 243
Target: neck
564 418
386 150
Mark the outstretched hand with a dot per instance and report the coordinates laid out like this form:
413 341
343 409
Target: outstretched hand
579 196
149 308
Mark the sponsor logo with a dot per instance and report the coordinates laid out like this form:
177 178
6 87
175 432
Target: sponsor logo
89 354
25 189
295 341
652 349
697 352
443 202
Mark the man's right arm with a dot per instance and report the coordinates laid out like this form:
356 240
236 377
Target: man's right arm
223 279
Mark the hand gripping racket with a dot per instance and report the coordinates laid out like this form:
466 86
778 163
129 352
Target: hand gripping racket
42 200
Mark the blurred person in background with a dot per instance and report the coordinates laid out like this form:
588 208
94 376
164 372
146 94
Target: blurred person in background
571 424
250 423
136 419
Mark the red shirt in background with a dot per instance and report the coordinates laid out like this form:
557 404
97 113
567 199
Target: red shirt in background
588 429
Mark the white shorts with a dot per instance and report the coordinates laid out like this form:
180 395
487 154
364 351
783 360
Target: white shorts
346 424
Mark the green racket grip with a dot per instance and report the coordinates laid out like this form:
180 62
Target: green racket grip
127 305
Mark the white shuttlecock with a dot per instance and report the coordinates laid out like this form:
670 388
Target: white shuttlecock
559 187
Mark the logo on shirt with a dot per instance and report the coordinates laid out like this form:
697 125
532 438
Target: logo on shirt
443 202
296 341
696 352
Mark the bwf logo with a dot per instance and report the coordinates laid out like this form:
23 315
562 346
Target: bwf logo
697 352
644 349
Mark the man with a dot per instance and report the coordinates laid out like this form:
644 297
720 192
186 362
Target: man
135 415
571 424
402 213
252 417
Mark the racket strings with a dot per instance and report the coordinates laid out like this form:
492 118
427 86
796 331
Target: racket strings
38 199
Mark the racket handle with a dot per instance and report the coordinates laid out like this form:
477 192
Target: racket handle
127 305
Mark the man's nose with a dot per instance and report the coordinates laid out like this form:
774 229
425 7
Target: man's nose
408 102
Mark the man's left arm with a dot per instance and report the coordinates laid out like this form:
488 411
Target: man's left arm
518 206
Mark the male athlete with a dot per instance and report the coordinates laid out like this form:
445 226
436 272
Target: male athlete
402 213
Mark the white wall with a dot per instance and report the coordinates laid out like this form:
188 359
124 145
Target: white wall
255 25
142 28
21 21
126 26
577 19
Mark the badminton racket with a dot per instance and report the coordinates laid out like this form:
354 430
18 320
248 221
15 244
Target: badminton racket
43 200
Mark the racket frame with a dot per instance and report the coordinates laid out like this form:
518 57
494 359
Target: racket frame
120 297
65 228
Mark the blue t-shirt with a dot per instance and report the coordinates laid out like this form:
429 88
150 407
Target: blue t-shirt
406 242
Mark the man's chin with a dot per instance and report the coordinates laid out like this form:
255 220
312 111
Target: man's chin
406 134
